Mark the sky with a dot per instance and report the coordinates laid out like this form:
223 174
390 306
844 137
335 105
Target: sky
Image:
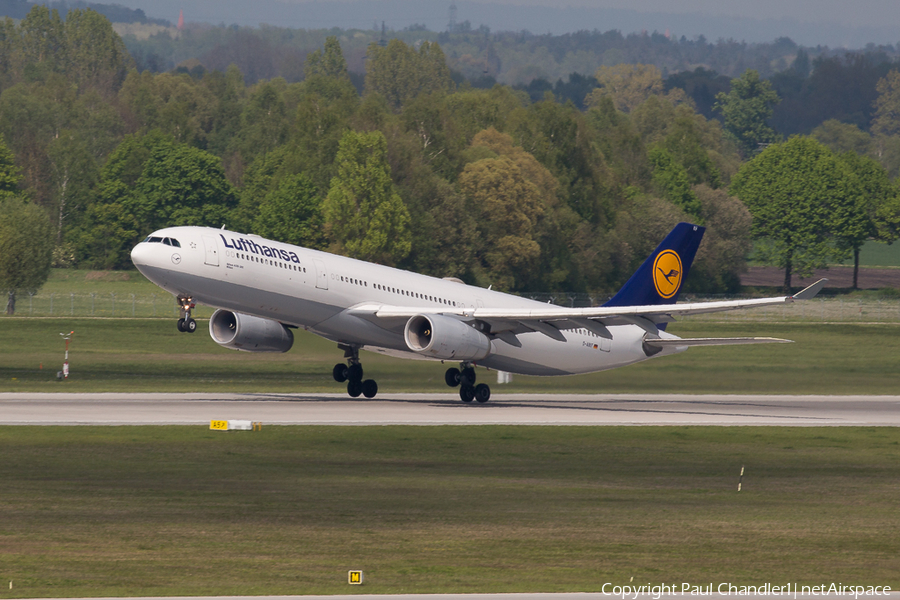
836 23
858 13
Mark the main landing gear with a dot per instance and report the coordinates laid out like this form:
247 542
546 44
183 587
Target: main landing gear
465 379
185 323
352 373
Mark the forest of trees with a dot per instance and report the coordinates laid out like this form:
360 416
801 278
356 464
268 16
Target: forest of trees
411 165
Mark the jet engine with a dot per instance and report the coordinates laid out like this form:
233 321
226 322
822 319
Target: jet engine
445 338
250 334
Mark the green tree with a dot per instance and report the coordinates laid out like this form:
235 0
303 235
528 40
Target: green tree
746 108
26 246
10 49
43 42
722 256
399 73
476 110
329 63
614 135
292 213
265 119
886 121
628 85
150 182
228 90
9 173
180 185
325 106
430 121
672 182
172 103
558 136
364 216
843 137
693 142
31 116
95 54
511 194
878 211
801 197
74 173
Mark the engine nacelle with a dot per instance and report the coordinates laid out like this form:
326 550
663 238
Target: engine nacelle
445 338
250 334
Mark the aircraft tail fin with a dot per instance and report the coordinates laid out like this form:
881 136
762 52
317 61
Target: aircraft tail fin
659 279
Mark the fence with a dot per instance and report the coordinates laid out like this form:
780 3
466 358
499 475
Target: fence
101 305
164 306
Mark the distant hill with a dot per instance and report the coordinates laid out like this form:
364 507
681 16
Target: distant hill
503 16
17 9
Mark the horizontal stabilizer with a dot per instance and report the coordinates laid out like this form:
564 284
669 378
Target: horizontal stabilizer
715 341
808 293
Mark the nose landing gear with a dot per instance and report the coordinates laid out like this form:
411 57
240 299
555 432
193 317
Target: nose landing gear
465 379
185 323
352 373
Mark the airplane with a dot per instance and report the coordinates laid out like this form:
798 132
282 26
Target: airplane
262 289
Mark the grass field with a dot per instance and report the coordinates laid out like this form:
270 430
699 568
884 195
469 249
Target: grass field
150 355
872 254
185 511
877 254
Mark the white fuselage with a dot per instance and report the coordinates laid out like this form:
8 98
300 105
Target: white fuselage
317 291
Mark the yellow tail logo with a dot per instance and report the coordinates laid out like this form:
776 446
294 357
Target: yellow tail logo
667 273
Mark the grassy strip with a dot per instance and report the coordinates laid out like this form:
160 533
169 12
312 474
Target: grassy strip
185 511
133 355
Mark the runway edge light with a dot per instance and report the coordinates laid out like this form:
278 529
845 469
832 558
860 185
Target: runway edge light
355 577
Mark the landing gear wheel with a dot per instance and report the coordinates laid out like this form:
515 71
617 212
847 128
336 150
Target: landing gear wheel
185 323
451 377
339 372
466 393
354 388
355 372
369 388
467 377
482 393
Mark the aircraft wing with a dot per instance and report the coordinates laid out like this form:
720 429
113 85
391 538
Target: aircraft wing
553 319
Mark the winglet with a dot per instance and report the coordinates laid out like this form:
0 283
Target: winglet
810 292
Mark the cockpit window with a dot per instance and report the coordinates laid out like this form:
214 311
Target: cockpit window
166 241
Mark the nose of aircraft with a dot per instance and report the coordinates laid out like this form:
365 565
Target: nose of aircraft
141 254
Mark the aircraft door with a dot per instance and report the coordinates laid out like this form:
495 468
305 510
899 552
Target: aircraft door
321 274
212 250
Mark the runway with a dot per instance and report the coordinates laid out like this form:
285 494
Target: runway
446 409
891 595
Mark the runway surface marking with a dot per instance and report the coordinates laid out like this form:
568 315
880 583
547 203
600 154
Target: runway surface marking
447 409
